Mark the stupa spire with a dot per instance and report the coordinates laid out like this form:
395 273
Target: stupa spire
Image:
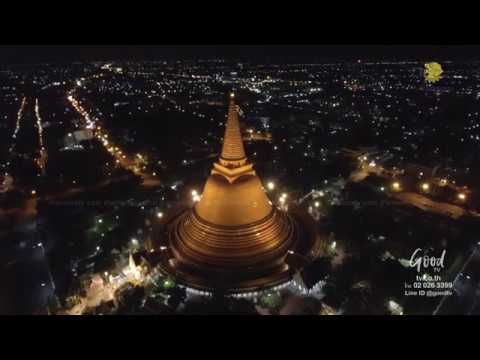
232 141
233 161
233 238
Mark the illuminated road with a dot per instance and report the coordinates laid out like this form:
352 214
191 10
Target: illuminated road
26 210
122 159
18 123
42 158
418 200
9 184
426 204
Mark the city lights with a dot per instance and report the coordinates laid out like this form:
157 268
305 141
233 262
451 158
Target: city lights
17 124
120 158
249 199
39 125
195 196
19 116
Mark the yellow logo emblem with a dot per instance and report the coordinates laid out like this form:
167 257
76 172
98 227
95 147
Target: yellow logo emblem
433 72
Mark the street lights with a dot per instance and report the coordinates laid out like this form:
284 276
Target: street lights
195 196
396 186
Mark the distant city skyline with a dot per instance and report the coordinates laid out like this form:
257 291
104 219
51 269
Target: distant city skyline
149 188
32 54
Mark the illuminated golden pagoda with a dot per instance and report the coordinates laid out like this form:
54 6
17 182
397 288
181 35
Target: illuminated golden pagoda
233 238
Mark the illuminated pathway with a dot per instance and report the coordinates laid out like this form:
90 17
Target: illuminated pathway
418 200
122 159
13 143
17 125
41 160
424 203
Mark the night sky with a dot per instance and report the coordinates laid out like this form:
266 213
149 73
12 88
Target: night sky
31 54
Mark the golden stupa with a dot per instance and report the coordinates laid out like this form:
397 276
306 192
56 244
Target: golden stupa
233 238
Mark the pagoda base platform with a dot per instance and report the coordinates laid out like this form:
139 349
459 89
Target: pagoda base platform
305 248
229 285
